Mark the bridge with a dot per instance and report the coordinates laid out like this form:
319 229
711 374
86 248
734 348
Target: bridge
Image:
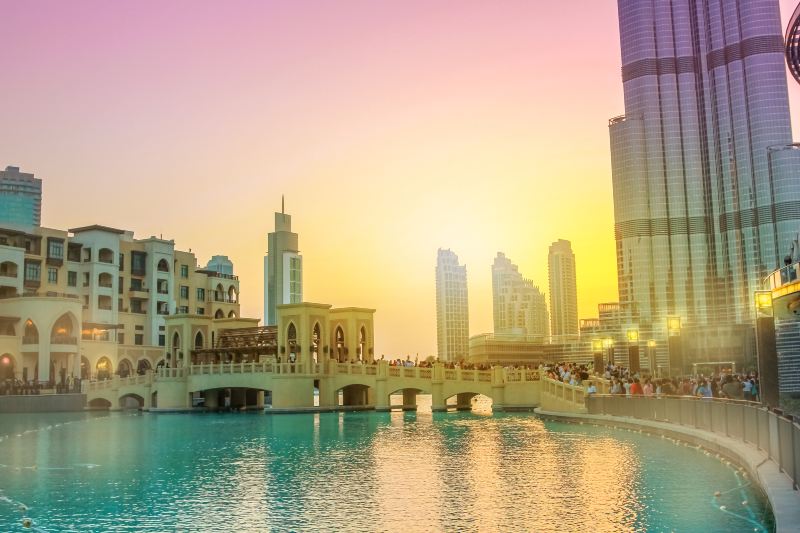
292 386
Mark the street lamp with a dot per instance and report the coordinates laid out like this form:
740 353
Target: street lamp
597 355
675 345
766 351
633 350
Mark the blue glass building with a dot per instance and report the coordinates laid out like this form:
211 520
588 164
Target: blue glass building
20 198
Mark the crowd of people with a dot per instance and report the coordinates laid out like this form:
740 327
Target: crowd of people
744 386
14 387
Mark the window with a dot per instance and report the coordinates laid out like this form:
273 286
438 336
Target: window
184 271
33 271
138 260
121 338
138 339
52 275
55 249
184 292
162 340
201 311
201 295
184 310
72 279
85 279
121 262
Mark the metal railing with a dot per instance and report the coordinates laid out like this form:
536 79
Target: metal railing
769 430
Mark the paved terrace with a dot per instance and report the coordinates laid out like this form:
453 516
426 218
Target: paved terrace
291 386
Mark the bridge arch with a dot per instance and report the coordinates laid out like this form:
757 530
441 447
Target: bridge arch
131 400
99 403
355 395
237 398
463 401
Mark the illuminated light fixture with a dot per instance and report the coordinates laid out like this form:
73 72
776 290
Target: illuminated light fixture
674 324
633 335
651 343
763 300
597 345
6 361
608 343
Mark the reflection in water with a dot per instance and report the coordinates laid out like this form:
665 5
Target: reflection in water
357 471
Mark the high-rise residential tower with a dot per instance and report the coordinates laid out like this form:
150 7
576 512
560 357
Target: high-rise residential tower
20 198
563 289
283 268
519 306
706 188
452 311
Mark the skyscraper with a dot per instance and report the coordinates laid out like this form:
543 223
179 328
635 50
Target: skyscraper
563 289
519 306
283 268
703 207
452 311
20 198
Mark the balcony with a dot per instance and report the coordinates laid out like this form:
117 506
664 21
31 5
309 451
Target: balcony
30 340
33 283
63 339
222 299
163 312
223 276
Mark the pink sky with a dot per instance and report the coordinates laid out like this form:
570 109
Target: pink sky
392 128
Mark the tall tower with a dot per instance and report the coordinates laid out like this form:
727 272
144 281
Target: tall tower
283 268
706 198
20 198
563 289
452 311
518 306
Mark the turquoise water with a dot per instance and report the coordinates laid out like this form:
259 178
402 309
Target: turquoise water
358 472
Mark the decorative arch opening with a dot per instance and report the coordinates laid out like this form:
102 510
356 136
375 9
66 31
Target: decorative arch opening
232 314
338 345
362 343
7 367
106 256
143 366
163 266
104 368
31 334
316 337
105 280
232 296
176 347
64 329
219 314
198 341
291 341
9 269
219 293
125 368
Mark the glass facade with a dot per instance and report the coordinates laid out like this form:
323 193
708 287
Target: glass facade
20 198
703 210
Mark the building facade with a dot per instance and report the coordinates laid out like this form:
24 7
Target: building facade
20 198
518 305
94 301
452 310
706 189
563 289
283 269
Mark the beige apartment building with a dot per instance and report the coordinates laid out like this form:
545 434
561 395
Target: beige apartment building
94 301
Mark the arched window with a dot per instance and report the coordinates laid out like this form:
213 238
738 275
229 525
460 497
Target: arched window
31 335
362 342
163 266
340 348
232 294
219 293
291 337
9 269
105 279
316 336
104 368
219 314
125 368
198 341
232 314
106 256
63 331
176 347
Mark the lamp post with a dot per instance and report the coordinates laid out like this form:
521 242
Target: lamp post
766 351
675 346
609 346
633 350
597 355
651 356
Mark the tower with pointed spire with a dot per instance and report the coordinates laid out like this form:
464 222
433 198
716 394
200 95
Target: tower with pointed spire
283 267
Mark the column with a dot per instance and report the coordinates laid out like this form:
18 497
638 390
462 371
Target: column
409 400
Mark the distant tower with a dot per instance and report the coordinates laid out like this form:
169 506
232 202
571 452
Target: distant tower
20 198
519 306
452 312
563 289
283 268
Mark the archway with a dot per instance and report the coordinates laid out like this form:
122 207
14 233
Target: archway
232 314
198 341
104 368
362 342
7 367
356 395
465 401
404 399
232 297
291 341
219 293
163 266
131 401
125 368
99 403
341 350
64 329
232 398
176 347
31 334
316 336
143 366
219 314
